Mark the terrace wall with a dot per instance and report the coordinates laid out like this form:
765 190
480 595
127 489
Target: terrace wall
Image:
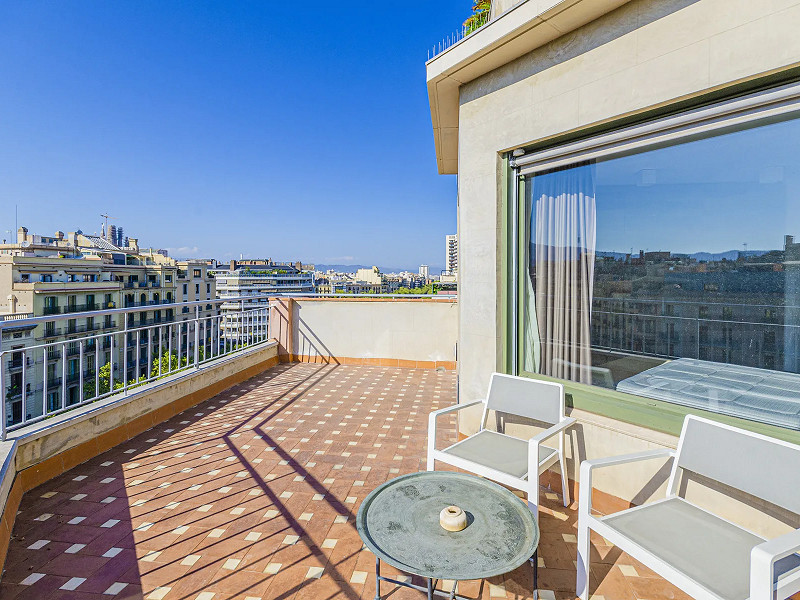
418 332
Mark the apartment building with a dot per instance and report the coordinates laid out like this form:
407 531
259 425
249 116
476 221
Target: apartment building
451 254
69 276
256 277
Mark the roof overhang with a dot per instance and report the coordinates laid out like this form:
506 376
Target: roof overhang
525 27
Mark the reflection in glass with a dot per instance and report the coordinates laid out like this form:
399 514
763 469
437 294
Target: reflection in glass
672 273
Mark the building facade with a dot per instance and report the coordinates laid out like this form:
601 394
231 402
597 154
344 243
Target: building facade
626 200
69 277
451 254
257 277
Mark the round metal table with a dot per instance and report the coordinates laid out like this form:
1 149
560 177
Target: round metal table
399 522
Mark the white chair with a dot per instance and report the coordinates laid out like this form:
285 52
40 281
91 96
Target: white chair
511 461
706 556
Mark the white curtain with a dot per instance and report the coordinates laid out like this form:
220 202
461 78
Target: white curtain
562 254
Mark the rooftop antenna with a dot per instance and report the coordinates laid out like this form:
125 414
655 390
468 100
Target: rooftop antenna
105 225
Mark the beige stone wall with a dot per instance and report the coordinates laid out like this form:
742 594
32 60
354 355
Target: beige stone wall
501 6
423 331
645 54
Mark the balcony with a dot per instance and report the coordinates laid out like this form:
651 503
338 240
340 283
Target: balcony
253 491
73 308
51 332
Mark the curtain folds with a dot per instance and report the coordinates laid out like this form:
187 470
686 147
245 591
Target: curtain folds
562 242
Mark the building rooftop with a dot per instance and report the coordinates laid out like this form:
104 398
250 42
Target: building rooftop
253 493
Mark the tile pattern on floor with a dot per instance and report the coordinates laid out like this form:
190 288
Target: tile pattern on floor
252 496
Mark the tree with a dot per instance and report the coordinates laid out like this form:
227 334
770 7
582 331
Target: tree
430 288
169 364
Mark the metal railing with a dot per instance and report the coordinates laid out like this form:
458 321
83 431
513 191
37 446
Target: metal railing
471 25
96 366
74 308
147 303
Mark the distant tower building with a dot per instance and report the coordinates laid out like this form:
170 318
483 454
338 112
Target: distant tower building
451 257
120 237
112 234
423 271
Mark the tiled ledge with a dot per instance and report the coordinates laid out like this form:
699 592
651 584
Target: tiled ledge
448 365
39 452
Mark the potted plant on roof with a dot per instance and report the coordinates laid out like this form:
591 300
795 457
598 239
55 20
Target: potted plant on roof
480 16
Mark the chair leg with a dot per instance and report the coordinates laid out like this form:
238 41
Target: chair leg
533 498
431 462
562 464
584 549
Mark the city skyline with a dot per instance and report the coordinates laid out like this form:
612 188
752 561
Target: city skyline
205 116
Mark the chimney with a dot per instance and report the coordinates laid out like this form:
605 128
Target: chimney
22 235
59 235
72 238
233 265
134 244
12 303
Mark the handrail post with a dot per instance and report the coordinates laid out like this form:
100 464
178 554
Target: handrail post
124 357
3 390
197 336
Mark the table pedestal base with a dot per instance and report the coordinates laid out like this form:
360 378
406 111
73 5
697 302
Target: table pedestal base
431 583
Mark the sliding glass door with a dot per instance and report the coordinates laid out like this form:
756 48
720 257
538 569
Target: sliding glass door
668 270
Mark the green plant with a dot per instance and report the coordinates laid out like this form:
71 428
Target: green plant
480 16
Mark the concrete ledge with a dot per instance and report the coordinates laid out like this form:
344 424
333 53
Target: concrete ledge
10 495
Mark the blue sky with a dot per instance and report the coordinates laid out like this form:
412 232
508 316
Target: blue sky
288 130
722 193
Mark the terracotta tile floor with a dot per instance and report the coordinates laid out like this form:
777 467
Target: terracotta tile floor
252 495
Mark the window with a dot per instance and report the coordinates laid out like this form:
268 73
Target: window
197 274
197 289
670 272
208 288
50 305
185 289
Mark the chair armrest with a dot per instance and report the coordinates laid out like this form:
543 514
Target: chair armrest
762 563
588 466
550 432
432 420
454 408
535 441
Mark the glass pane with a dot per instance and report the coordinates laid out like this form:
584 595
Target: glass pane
672 273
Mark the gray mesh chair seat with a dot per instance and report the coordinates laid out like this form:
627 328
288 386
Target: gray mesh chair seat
509 460
703 547
702 553
500 452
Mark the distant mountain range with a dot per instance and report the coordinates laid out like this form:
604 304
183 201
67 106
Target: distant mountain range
699 256
434 270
